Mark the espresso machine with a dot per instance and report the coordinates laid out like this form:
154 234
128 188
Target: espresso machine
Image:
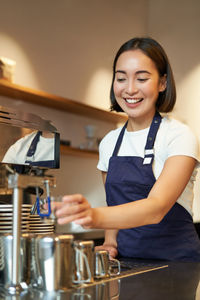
33 257
29 148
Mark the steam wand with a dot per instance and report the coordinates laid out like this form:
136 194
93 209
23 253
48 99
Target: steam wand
46 183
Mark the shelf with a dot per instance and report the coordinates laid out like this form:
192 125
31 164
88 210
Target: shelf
15 91
67 150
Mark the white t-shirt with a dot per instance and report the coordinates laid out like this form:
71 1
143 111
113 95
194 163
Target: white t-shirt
16 154
173 138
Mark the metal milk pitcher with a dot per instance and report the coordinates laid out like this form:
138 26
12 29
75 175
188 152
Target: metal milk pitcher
104 267
6 259
84 262
54 261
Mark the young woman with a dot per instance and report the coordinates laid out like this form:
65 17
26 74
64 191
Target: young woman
148 166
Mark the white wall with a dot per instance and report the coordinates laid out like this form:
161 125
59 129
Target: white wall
66 47
176 24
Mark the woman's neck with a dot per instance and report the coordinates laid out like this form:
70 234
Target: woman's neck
136 124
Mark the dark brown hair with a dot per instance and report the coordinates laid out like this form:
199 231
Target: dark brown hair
152 49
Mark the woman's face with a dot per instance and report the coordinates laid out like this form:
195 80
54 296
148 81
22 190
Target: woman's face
137 84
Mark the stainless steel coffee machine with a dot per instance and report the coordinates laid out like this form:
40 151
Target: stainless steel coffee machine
29 148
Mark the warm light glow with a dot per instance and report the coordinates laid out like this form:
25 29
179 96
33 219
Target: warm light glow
188 104
99 85
24 71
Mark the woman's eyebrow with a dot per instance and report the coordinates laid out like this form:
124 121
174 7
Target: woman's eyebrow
120 71
143 71
138 72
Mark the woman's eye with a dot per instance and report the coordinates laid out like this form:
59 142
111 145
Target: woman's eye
120 79
142 79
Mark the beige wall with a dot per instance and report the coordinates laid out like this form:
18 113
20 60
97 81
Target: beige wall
176 24
67 47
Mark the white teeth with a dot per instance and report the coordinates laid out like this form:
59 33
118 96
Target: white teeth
132 100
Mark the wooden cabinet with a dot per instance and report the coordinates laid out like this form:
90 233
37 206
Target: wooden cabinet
15 91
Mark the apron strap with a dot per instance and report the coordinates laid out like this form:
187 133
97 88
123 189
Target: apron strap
119 140
149 147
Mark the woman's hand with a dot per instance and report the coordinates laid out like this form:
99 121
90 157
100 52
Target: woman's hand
74 208
110 243
112 249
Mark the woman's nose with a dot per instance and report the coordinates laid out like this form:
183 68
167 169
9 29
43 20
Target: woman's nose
131 88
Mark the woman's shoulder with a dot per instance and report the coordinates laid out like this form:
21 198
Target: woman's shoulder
175 126
111 136
178 138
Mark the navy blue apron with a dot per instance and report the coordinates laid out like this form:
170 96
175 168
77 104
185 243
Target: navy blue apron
130 178
31 151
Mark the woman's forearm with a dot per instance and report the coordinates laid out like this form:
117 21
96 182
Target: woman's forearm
142 212
134 214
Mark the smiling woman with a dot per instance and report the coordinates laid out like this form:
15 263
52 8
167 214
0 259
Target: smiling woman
149 196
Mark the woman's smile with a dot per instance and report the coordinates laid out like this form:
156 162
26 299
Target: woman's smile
133 101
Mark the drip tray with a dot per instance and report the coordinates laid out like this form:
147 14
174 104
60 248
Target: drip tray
131 267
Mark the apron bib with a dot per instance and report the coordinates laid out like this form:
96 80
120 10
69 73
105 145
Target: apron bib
130 178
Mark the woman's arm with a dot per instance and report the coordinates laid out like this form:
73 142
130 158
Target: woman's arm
151 210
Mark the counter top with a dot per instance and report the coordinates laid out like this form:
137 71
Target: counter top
173 281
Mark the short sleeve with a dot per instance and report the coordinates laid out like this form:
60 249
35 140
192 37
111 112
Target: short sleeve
102 164
106 148
182 141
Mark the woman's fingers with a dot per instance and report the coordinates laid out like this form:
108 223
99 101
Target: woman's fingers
55 205
78 219
73 208
66 210
112 250
78 198
71 204
86 222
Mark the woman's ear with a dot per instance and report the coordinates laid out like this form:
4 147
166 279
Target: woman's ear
163 83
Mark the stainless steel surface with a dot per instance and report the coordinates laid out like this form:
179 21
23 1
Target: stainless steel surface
109 291
23 181
17 202
24 119
79 232
55 263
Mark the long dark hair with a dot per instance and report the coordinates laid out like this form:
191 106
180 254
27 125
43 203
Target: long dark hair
152 49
